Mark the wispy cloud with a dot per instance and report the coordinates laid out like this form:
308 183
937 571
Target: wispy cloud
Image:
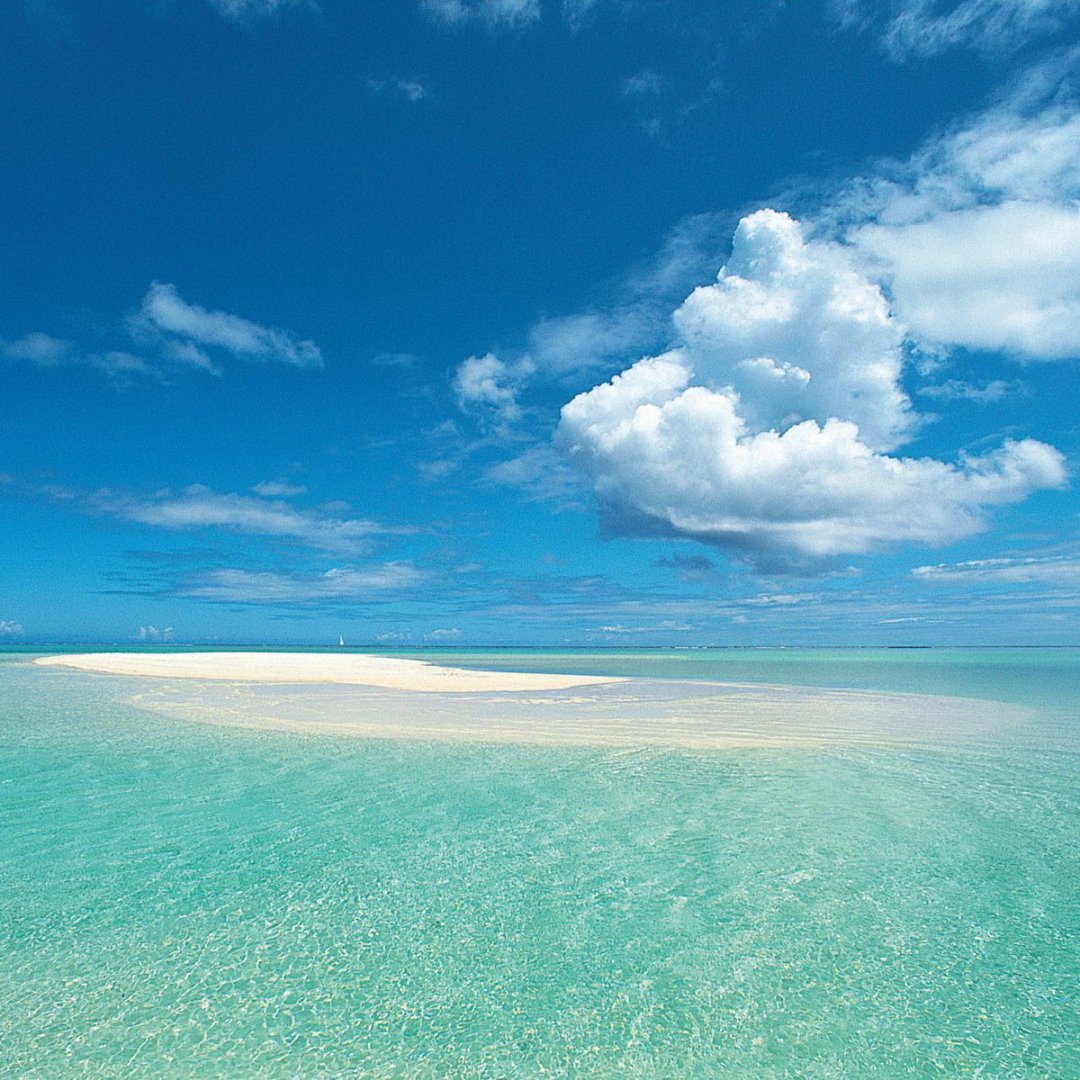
240 586
198 507
278 489
926 27
1015 570
690 569
494 14
10 628
164 310
646 90
664 626
169 335
590 339
576 12
958 390
241 9
541 474
409 89
664 105
639 317
396 360
780 599
40 349
44 351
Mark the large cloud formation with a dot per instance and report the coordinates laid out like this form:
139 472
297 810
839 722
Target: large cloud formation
797 333
977 237
764 431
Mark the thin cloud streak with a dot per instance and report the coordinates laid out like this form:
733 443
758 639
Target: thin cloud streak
242 9
926 27
239 586
1052 569
165 310
493 14
199 507
169 335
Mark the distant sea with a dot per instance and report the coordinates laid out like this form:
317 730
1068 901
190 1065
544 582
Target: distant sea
192 900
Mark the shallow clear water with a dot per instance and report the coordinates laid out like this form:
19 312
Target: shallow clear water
191 900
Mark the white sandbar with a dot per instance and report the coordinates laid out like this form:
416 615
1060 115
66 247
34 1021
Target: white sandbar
369 696
350 669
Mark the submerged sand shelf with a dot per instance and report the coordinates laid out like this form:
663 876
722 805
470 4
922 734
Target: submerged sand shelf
362 696
346 669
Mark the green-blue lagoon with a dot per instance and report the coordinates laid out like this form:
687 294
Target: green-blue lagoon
190 898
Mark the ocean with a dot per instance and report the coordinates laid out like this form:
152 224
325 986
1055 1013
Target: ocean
198 899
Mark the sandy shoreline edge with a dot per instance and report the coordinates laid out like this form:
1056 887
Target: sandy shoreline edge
348 669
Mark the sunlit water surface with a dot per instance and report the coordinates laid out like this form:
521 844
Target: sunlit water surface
182 899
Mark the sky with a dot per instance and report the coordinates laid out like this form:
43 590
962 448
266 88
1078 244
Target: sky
540 322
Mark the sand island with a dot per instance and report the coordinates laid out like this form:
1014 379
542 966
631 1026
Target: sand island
347 669
390 697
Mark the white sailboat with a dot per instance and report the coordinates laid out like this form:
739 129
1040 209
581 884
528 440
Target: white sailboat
341 642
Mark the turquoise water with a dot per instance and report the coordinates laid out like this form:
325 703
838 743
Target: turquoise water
192 900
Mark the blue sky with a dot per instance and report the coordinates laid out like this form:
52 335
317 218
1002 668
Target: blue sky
598 322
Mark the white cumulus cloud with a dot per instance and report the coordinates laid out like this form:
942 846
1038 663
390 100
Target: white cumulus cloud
977 236
10 627
998 278
798 333
489 387
764 430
